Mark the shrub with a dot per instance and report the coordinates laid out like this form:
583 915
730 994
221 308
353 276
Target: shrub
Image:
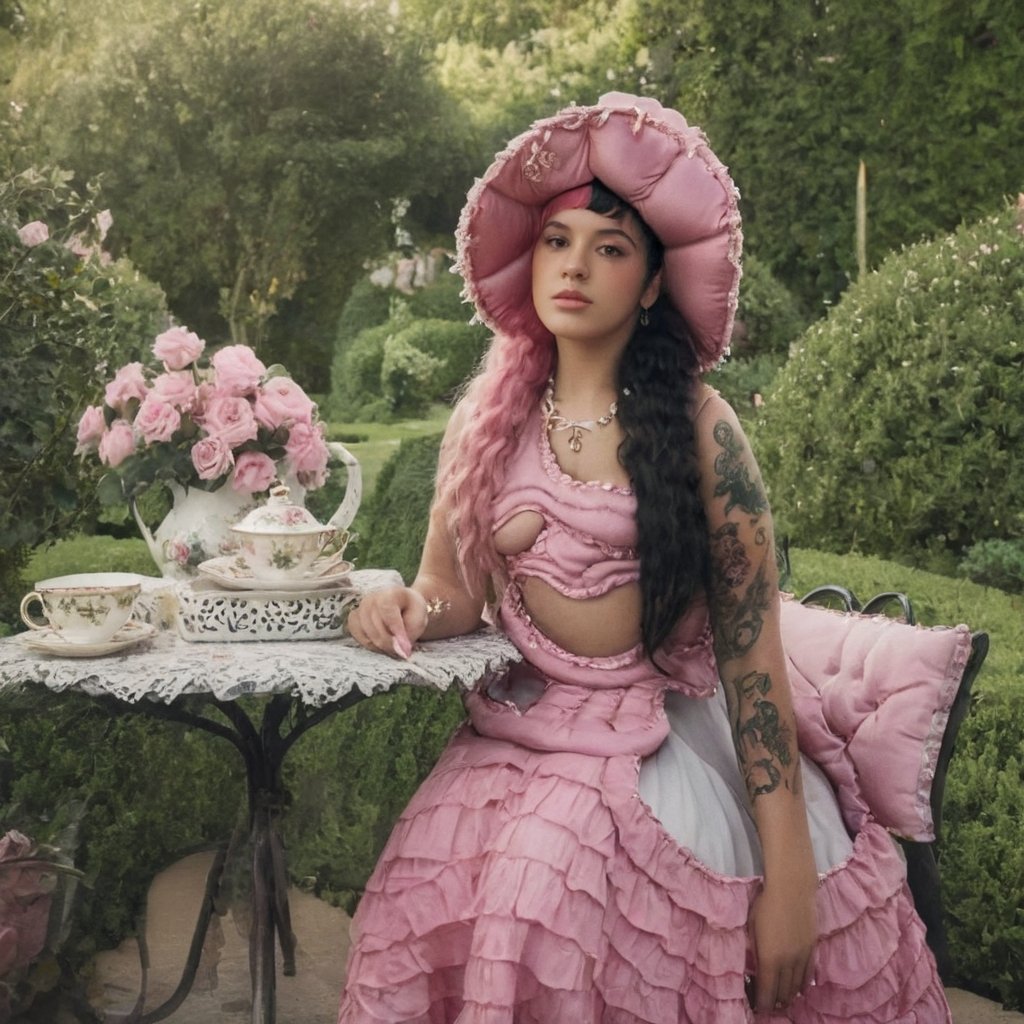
351 777
457 347
368 305
895 428
745 382
407 377
768 317
355 374
60 753
65 311
441 300
996 563
400 507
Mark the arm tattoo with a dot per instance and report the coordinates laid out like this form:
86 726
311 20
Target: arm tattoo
764 745
734 477
730 558
739 620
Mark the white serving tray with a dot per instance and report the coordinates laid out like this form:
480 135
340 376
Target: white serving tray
208 612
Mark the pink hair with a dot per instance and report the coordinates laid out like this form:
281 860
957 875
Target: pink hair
498 401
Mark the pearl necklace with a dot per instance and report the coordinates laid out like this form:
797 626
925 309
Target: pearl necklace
554 420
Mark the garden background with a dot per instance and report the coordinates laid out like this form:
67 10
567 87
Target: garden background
288 176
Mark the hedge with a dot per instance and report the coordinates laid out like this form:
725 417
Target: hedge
896 427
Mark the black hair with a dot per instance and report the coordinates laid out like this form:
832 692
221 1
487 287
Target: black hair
658 384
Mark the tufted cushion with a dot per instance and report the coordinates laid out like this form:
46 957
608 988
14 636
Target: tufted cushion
883 690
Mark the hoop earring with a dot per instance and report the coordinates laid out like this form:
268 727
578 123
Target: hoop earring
645 316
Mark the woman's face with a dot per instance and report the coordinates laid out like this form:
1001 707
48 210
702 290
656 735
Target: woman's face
590 276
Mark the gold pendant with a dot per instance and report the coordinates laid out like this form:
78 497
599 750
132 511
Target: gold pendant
576 439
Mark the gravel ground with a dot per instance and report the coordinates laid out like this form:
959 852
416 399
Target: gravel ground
221 991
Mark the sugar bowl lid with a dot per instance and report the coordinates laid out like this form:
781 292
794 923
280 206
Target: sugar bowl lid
280 515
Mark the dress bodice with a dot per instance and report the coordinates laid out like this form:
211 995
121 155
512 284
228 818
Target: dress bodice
585 547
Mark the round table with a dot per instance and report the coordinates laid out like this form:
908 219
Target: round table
299 683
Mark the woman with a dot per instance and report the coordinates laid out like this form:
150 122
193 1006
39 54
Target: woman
614 836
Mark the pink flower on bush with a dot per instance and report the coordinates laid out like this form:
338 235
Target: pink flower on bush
238 371
212 457
254 472
34 233
90 428
178 347
308 454
24 903
128 383
117 443
281 402
177 389
157 420
230 418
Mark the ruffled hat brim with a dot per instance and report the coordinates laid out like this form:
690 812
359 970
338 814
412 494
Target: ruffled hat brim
650 157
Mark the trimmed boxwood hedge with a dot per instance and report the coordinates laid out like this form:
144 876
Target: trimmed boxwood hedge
896 427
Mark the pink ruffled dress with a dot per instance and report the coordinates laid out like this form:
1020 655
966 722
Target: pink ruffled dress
584 853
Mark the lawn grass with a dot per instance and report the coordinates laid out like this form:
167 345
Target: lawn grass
373 443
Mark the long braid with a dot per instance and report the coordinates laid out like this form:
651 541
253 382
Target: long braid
659 371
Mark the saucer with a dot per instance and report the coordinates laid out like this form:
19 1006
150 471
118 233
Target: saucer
232 572
46 641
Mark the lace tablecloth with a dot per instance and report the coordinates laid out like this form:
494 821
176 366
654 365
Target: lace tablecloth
317 672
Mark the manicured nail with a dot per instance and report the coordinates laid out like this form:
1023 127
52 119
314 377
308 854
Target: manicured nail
402 647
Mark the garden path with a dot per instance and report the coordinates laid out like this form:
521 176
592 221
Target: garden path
221 992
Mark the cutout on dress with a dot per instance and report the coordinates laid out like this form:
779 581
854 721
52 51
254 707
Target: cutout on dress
518 533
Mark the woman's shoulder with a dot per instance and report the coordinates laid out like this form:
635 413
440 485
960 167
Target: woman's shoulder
709 405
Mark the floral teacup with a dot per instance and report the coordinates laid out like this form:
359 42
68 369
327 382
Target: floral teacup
86 608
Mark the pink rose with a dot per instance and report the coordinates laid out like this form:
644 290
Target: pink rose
205 394
254 472
230 418
178 347
308 454
177 389
33 234
128 383
15 844
282 402
117 443
212 458
238 371
90 428
156 420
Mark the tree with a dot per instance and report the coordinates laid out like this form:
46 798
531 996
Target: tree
247 150
793 95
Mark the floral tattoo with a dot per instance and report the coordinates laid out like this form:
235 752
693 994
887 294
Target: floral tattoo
739 619
734 476
763 741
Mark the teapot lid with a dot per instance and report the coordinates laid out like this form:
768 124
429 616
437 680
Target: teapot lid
280 515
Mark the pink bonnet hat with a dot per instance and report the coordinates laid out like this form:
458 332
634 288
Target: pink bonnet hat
650 157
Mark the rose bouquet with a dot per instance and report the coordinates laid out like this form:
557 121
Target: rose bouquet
233 421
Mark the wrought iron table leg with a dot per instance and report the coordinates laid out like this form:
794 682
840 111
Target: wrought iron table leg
263 750
262 967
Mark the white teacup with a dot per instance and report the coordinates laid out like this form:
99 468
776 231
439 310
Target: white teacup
86 608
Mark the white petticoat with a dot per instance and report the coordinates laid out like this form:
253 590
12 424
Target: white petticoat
693 786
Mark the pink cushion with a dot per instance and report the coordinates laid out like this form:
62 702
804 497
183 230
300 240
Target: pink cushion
874 695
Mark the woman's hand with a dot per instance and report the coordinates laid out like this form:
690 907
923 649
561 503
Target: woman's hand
785 929
389 620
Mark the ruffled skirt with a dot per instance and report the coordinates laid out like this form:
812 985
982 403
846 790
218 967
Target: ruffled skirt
532 887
